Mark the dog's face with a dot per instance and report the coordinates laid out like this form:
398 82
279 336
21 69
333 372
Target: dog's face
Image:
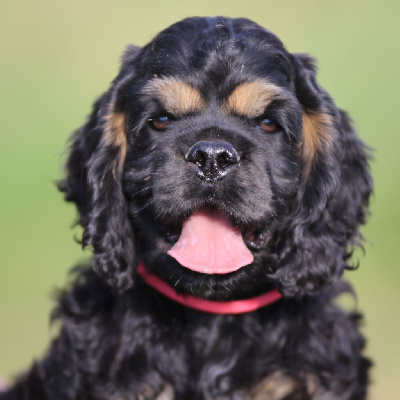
214 126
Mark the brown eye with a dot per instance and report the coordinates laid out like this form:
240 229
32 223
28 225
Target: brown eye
269 125
160 123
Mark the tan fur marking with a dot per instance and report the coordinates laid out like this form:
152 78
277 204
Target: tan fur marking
317 128
177 97
252 98
279 386
275 387
114 133
318 392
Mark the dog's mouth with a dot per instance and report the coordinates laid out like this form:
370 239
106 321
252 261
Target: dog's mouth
210 243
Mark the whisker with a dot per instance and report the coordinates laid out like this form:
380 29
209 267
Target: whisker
139 191
148 203
177 282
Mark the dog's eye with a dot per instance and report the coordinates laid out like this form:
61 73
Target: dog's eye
269 125
160 122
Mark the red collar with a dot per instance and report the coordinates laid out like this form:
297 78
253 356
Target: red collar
213 307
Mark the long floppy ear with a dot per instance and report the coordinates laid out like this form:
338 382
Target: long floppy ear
93 182
332 202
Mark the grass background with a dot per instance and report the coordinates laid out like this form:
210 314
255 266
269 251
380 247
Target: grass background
57 56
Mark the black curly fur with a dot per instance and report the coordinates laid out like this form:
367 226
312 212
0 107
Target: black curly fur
119 338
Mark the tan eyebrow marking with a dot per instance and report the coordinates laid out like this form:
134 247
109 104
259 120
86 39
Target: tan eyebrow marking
114 134
252 98
177 97
317 136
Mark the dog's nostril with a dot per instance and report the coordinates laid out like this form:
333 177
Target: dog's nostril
197 158
213 159
224 160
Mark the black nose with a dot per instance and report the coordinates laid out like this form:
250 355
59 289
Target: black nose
213 159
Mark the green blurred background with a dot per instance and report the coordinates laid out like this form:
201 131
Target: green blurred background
57 56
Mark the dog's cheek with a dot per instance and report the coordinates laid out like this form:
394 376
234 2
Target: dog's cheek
174 188
285 170
273 177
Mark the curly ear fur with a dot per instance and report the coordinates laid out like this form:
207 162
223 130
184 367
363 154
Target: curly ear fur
93 182
317 239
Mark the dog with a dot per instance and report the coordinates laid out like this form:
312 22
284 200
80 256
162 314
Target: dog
221 191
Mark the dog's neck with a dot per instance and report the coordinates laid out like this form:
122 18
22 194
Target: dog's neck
209 306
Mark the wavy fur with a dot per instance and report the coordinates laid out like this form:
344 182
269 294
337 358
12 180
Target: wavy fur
303 189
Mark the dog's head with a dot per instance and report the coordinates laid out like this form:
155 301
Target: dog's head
215 127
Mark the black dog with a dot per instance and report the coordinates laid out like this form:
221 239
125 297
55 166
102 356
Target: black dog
217 164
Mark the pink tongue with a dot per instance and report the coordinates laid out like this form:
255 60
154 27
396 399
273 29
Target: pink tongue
211 245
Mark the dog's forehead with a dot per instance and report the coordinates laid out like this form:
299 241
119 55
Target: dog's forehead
217 51
202 61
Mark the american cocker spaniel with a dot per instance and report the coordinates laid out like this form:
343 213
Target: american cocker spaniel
221 192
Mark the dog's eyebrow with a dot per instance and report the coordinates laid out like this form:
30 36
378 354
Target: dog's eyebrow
177 97
250 99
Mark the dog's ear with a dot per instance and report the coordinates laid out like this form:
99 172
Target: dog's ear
93 182
332 202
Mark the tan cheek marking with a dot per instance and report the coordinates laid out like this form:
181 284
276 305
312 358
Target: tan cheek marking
114 134
251 98
177 97
276 387
317 137
316 391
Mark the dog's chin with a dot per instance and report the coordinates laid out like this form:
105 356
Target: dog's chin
190 266
250 280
